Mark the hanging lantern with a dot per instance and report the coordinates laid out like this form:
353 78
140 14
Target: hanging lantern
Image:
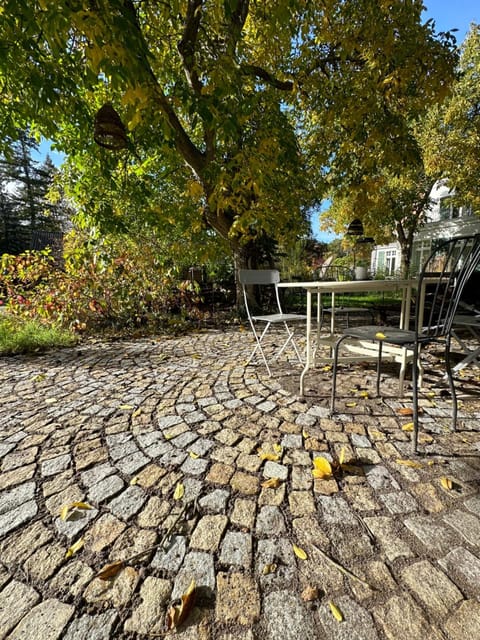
355 228
109 130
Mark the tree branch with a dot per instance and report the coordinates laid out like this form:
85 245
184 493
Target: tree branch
186 46
263 74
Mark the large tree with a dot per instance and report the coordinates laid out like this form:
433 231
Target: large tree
238 108
451 140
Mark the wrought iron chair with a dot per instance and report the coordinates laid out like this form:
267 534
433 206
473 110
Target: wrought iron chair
267 278
439 288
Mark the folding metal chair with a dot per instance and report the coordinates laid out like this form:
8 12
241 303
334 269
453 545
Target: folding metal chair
267 278
439 289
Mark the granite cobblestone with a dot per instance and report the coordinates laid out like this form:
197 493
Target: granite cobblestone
125 426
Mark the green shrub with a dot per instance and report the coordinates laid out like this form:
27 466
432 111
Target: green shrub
114 282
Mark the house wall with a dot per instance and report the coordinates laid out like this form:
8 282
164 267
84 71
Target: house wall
444 221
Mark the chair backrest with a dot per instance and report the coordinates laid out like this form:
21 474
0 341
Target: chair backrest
442 280
262 277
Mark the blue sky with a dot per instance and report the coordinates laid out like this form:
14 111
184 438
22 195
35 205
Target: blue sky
448 15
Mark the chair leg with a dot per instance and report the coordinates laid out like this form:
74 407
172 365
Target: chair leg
448 367
287 342
258 346
379 365
415 382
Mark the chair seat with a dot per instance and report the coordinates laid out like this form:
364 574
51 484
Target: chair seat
280 317
392 334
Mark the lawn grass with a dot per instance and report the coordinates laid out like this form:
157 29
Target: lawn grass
30 336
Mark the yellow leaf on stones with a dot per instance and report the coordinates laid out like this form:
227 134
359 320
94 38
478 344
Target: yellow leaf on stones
380 336
350 404
305 434
167 436
134 480
277 448
272 483
179 491
195 356
408 426
176 614
126 406
327 367
109 571
65 510
322 468
269 568
446 483
193 455
337 614
363 394
76 546
299 552
136 413
410 463
267 455
341 458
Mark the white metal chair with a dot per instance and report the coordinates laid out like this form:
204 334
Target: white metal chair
268 278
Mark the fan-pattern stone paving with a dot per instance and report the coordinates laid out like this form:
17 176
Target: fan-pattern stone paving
121 425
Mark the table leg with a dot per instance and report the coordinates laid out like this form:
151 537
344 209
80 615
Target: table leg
308 359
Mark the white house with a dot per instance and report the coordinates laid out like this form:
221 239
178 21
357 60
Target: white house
445 221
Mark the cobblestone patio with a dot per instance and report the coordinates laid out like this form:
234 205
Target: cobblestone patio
121 425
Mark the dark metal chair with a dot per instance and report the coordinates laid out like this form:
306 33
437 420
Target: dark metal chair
268 278
439 289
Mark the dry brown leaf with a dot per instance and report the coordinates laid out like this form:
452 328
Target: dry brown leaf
299 552
76 546
272 483
405 411
111 570
322 468
176 614
337 614
310 593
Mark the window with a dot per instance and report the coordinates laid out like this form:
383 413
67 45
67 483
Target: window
387 261
448 210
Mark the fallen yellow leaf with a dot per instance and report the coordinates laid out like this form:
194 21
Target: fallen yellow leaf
269 568
168 436
305 434
350 404
267 455
300 553
380 336
126 406
446 483
410 463
179 491
341 457
408 426
134 480
193 455
363 394
322 468
76 546
277 448
136 413
272 483
337 614
67 508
